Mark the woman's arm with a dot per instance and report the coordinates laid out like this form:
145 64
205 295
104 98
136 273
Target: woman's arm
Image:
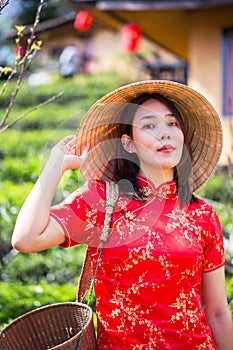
215 306
34 229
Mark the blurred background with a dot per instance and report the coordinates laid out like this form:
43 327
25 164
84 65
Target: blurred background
73 52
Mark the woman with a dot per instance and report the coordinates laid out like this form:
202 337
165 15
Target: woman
160 282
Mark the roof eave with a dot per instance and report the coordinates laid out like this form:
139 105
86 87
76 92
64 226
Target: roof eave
107 5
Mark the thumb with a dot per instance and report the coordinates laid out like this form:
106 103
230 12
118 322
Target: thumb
73 161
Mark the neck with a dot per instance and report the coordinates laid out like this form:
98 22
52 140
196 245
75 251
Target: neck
158 177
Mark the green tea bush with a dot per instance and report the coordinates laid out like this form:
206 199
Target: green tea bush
21 164
53 116
14 170
17 298
17 144
80 92
12 196
28 281
229 289
218 188
54 265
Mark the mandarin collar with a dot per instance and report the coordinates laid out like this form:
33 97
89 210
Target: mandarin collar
165 191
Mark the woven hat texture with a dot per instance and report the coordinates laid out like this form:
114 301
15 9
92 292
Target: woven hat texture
203 128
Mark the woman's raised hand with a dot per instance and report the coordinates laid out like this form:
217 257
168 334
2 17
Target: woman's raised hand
34 230
64 152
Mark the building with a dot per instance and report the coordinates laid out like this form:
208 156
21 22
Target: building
198 33
185 40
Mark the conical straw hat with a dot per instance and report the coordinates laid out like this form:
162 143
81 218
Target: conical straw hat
203 128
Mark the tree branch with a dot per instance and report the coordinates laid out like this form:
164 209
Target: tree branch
3 5
3 128
20 64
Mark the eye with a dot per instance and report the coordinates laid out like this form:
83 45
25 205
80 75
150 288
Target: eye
148 126
173 123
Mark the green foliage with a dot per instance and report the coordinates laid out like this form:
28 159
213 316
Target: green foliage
28 281
80 92
17 298
21 162
29 143
12 196
80 89
218 188
229 289
12 169
55 265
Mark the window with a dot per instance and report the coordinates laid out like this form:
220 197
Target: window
228 72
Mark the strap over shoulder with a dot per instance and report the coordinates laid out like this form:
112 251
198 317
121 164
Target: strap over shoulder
112 194
86 276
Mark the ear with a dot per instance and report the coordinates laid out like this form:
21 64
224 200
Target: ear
127 143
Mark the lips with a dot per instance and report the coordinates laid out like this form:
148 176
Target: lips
166 148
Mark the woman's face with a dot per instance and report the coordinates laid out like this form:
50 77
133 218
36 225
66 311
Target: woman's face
157 138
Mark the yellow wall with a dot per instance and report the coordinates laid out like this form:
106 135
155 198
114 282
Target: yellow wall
205 51
206 61
169 28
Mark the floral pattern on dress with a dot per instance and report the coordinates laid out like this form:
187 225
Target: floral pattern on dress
149 279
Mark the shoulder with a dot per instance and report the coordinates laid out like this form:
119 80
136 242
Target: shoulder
201 204
97 185
94 189
205 210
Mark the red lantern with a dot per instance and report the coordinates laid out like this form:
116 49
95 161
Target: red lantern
130 37
83 21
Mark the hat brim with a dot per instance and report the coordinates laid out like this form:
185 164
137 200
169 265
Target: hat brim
203 128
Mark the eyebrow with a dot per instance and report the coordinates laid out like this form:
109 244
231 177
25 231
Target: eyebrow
155 116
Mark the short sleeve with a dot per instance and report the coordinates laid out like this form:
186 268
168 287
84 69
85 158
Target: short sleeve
81 215
214 249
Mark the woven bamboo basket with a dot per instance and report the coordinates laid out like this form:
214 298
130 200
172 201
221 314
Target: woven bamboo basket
55 326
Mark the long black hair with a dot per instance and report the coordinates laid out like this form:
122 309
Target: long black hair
127 165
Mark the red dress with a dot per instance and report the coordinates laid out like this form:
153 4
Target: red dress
149 279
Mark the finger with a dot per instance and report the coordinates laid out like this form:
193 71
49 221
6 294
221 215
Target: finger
68 144
68 139
84 153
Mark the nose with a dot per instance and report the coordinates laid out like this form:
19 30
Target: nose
163 134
